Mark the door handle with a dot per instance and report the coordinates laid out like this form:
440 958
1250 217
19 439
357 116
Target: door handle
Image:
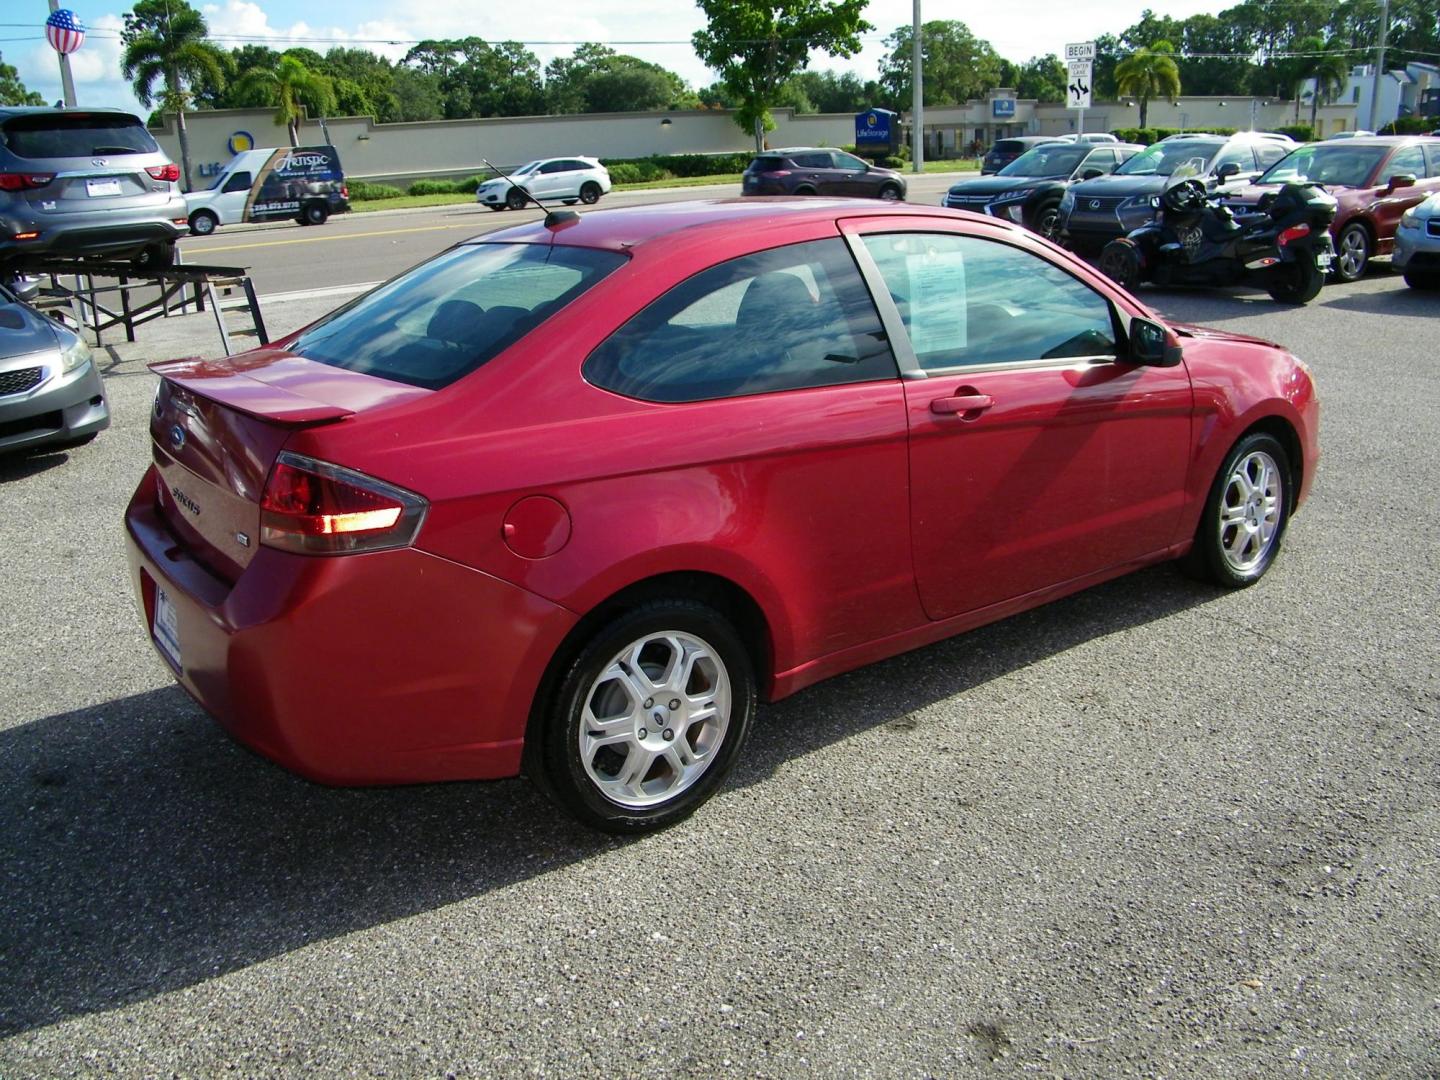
963 404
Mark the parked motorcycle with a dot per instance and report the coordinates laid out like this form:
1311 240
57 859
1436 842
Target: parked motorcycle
1284 247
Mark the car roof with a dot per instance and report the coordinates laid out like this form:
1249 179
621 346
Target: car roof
9 111
626 227
1384 140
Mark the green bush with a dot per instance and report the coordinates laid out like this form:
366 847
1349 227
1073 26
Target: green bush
1410 125
665 166
1298 132
436 187
361 190
645 171
1146 136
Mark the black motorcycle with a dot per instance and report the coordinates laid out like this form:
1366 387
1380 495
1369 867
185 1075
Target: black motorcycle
1284 247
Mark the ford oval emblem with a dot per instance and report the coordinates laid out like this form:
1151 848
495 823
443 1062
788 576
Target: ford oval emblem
1094 204
177 436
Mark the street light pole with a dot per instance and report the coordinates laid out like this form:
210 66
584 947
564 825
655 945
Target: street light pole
917 105
67 81
1379 66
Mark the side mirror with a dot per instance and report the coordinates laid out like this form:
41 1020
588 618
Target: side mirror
1402 180
1226 171
26 289
1152 344
1091 173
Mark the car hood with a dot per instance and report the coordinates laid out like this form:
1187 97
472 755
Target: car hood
25 332
997 185
1121 185
1191 330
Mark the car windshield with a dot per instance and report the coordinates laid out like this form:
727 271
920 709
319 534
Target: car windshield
1059 159
1345 166
57 135
450 315
1177 159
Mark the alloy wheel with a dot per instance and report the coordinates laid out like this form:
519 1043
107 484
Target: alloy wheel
1250 511
1353 254
655 718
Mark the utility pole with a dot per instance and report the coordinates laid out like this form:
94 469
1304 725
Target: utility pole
67 81
917 106
1379 66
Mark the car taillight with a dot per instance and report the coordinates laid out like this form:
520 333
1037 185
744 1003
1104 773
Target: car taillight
344 191
14 181
164 172
314 508
777 172
1295 232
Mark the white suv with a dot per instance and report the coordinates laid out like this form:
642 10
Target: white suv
567 180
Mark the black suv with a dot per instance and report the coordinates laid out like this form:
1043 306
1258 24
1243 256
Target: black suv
1028 190
1097 211
813 170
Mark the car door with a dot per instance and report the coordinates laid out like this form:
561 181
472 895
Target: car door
229 205
852 176
817 171
1103 160
1037 457
548 180
1390 206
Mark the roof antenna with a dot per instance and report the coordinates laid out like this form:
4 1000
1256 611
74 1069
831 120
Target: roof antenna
553 218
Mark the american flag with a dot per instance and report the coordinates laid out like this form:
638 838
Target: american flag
64 31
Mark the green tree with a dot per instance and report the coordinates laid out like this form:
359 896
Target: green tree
13 91
1325 64
364 83
958 66
1043 78
837 92
417 95
758 45
598 79
1149 73
165 42
479 79
290 86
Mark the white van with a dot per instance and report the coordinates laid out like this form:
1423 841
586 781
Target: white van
304 183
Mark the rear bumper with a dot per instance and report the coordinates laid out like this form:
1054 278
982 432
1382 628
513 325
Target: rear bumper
391 667
75 238
62 409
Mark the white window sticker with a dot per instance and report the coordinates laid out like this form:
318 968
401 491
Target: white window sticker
937 301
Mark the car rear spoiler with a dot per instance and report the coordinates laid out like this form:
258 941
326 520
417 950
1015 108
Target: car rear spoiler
219 382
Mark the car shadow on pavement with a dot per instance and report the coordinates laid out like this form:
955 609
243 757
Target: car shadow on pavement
146 852
26 463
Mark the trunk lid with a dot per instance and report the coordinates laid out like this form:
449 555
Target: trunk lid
217 427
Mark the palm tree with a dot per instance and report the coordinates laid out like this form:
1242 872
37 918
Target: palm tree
165 42
1149 73
289 86
1322 63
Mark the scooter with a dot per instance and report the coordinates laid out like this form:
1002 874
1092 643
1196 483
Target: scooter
1284 247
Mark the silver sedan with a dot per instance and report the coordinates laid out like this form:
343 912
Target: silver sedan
51 394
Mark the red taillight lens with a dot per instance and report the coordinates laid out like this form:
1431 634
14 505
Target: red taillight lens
14 181
778 172
169 172
315 508
344 191
1295 232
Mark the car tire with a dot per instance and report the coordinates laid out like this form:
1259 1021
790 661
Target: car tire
1122 262
805 190
203 222
1047 220
497 207
891 193
590 193
1352 252
315 214
625 688
569 202
155 257
1300 283
516 199
1246 511
1428 281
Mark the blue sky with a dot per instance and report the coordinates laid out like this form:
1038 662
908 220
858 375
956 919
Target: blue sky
1018 29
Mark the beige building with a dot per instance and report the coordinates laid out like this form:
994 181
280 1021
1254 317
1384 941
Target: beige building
454 148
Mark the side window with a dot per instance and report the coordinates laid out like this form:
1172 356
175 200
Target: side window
817 160
552 167
1269 154
783 319
239 181
845 161
1409 160
969 301
1104 160
576 166
1433 153
1240 155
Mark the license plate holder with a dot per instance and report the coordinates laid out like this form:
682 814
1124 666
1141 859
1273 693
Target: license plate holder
98 188
166 628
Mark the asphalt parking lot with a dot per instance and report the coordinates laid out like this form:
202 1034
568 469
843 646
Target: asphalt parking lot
1151 830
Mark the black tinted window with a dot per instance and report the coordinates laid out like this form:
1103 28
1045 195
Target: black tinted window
1009 146
239 181
57 135
448 316
784 319
767 164
815 160
970 301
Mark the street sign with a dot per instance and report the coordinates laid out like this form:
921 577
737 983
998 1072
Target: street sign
1080 50
1077 85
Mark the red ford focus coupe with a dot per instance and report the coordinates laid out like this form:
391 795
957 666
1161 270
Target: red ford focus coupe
571 498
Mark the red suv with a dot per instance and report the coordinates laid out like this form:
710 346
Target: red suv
574 497
1375 179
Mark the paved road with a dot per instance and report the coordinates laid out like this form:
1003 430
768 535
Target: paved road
1152 830
285 257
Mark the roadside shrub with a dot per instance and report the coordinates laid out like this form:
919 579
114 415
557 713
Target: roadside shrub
637 172
1146 136
1410 125
436 187
1298 132
665 166
361 190
470 184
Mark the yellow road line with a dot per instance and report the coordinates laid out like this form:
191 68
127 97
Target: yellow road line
470 225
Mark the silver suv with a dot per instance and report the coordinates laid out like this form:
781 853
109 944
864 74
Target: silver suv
86 182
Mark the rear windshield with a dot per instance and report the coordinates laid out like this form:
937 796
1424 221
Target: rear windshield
1179 159
448 316
1346 166
71 135
1056 159
767 164
1009 146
